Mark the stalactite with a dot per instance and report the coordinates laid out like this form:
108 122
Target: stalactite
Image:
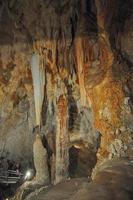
79 61
38 85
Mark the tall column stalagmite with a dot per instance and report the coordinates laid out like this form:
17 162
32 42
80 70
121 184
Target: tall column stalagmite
62 157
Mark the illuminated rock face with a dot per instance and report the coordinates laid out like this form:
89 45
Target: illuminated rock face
86 55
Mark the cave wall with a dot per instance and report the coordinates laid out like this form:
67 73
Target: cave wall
17 103
86 51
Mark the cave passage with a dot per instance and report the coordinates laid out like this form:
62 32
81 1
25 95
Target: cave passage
73 161
81 161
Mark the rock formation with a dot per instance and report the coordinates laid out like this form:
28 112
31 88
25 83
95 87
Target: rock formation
85 56
40 162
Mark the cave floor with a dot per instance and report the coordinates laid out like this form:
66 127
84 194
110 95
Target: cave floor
113 181
61 191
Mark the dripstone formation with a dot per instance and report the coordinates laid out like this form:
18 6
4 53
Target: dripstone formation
85 51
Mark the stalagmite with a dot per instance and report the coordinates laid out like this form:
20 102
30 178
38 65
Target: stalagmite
40 162
52 162
62 157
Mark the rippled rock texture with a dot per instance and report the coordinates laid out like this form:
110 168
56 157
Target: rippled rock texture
85 49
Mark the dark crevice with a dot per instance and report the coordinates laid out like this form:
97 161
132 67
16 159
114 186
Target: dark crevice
45 103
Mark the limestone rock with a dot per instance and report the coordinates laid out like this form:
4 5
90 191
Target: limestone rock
40 162
84 49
